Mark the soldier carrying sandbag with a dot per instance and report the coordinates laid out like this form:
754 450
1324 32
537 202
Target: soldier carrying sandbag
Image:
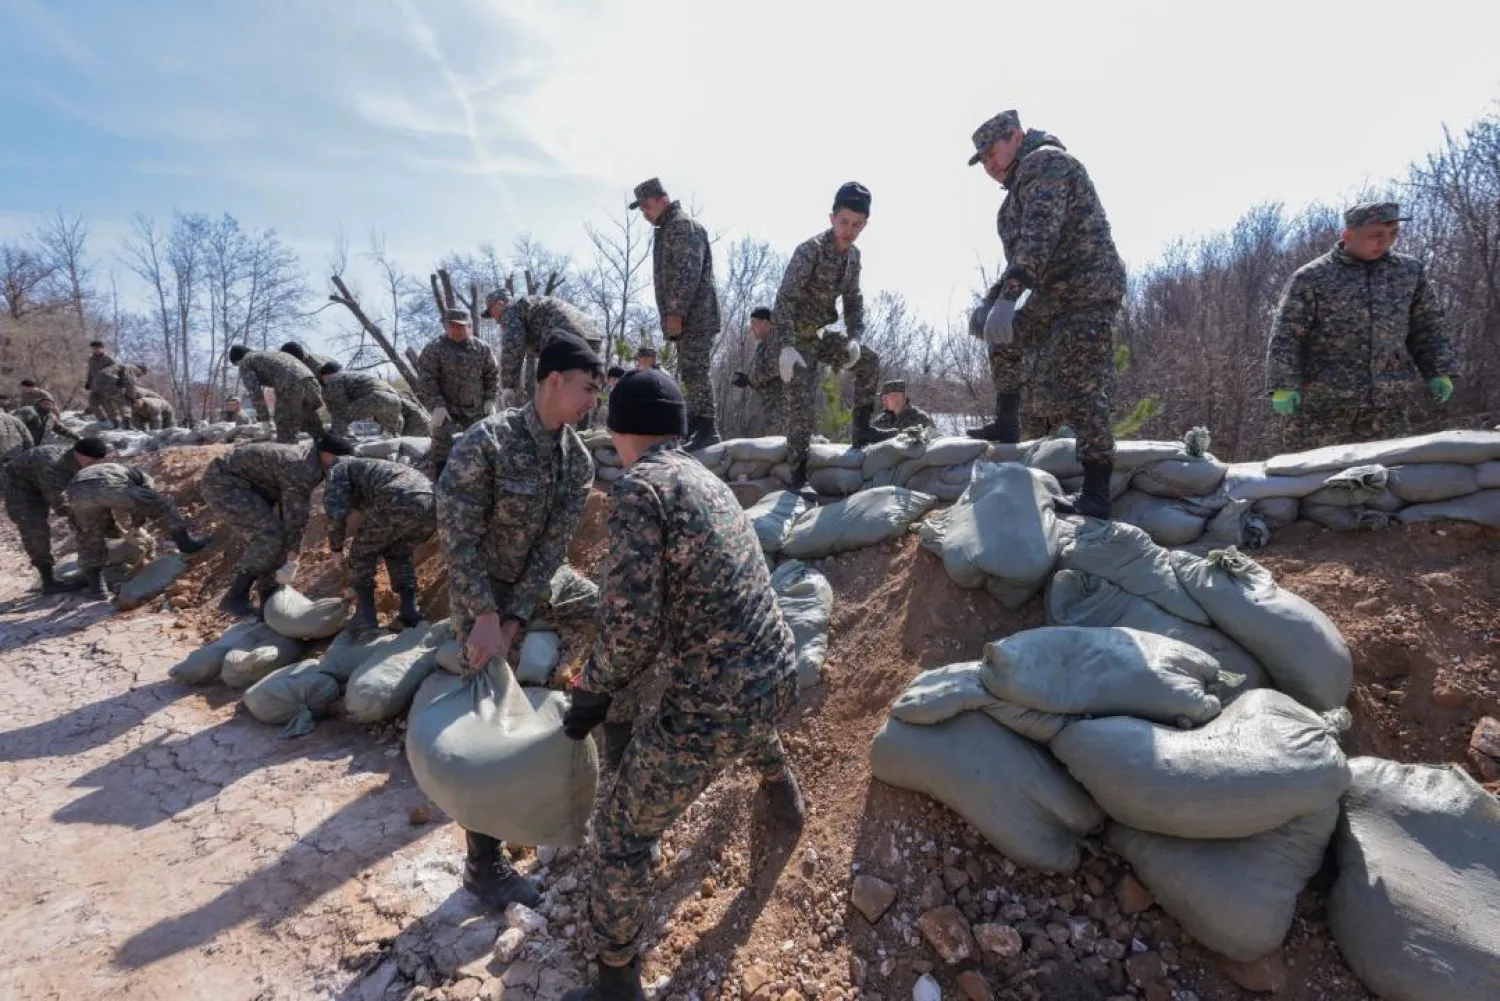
35 482
397 513
152 411
100 498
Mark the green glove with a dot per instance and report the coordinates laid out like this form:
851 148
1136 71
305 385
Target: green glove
1286 401
1442 388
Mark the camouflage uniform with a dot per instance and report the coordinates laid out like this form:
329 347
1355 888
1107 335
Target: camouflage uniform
399 514
353 396
682 266
1351 335
246 485
116 389
462 378
97 403
236 417
528 321
107 492
817 275
314 363
15 437
39 422
911 416
152 411
765 379
31 394
1058 244
34 484
684 589
298 395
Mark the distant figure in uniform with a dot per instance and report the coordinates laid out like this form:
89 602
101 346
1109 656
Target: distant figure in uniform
31 392
764 376
525 326
354 396
99 360
117 389
899 413
645 356
35 482
103 496
234 412
397 514
41 418
298 395
458 382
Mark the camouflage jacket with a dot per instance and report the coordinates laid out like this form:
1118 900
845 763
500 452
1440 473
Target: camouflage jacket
15 437
104 480
682 269
276 369
460 376
117 380
39 423
684 589
765 371
1056 236
508 502
528 322
283 474
341 389
817 276
1351 328
372 486
314 363
46 469
97 364
31 394
911 416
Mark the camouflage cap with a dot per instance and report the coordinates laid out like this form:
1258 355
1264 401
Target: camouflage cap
645 351
993 131
893 386
1371 213
650 188
499 295
456 316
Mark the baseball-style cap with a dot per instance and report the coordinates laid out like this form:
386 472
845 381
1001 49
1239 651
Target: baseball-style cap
456 316
893 386
499 295
993 131
1370 213
650 188
645 352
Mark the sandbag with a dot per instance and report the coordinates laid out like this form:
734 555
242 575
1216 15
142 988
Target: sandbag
258 655
1416 907
291 614
806 601
1010 789
752 492
1344 519
349 650
1193 476
1466 447
1126 556
1300 647
960 474
387 449
1168 522
1229 527
608 457
870 517
1434 481
1001 451
930 481
770 450
1250 481
834 481
1487 475
1277 512
383 686
1094 671
540 652
150 581
1481 508
1263 761
945 692
827 455
448 656
1237 896
1058 456
1352 487
294 695
886 456
715 457
745 470
1132 455
202 666
941 452
492 755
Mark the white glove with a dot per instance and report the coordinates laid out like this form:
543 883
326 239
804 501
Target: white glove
853 355
789 361
997 326
439 416
287 573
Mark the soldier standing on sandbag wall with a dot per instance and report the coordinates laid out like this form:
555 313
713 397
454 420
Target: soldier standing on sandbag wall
107 493
1058 246
458 382
298 395
99 360
397 513
353 396
263 492
40 418
525 326
31 392
508 503
1353 328
687 303
314 363
764 376
899 413
34 484
684 588
823 270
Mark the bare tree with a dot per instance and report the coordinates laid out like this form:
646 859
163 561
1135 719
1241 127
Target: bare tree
615 282
64 240
24 276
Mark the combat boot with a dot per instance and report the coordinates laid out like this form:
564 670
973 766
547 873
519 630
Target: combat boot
703 434
236 600
94 586
615 983
364 609
859 430
54 585
188 544
408 614
489 875
787 808
1006 427
1093 500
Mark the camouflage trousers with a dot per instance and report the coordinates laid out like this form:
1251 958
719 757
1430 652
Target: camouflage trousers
1062 365
98 507
27 509
442 443
393 536
571 599
801 395
251 516
695 352
297 410
1321 421
666 767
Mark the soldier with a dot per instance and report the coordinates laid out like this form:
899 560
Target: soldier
458 382
683 588
899 413
353 396
397 514
764 376
312 362
117 389
34 483
822 270
645 356
234 412
1058 246
15 438
40 418
1353 327
687 302
298 395
99 360
508 503
245 487
526 325
107 493
151 411
31 392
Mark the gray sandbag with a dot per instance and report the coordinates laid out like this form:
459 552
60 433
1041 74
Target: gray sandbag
1487 475
349 650
387 449
608 457
835 481
1227 528
1126 556
1237 895
1300 647
1168 522
1002 534
1263 761
828 455
541 651
870 517
1132 455
1250 481
1106 671
745 470
960 474
1416 907
1433 481
715 457
1119 482
806 601
261 652
940 453
945 692
752 492
608 474
150 581
1058 456
1001 451
1352 487
1481 508
1386 503
1277 512
383 686
1467 447
493 756
202 666
448 656
782 474
293 696
770 450
933 481
1010 789
1344 519
1193 476
292 614
773 516
888 455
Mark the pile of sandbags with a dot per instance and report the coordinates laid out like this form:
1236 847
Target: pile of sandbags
806 600
869 518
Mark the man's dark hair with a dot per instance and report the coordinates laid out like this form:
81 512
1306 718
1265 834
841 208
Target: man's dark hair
333 444
296 350
330 367
760 313
236 353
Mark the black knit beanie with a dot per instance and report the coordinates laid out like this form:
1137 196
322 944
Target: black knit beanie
330 367
566 353
647 401
93 447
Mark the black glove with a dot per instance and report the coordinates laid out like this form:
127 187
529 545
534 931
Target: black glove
740 380
586 710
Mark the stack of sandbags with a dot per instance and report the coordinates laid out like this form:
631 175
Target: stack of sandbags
773 516
806 600
202 666
385 682
869 518
261 651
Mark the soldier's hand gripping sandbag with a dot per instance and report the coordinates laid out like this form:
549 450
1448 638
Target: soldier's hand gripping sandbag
586 710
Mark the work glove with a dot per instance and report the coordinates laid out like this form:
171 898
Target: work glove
740 380
287 573
788 361
439 416
586 710
1286 401
1442 388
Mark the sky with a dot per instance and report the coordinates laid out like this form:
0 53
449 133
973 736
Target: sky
442 124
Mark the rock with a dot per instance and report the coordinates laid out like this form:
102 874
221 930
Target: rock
508 945
1448 694
934 895
1003 940
791 995
948 933
888 852
756 981
1059 933
463 949
1133 895
1487 767
1095 968
872 897
465 990
1108 948
523 917
1486 737
955 879
419 815
1158 992
974 986
1267 975
1144 968
858 971
926 989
